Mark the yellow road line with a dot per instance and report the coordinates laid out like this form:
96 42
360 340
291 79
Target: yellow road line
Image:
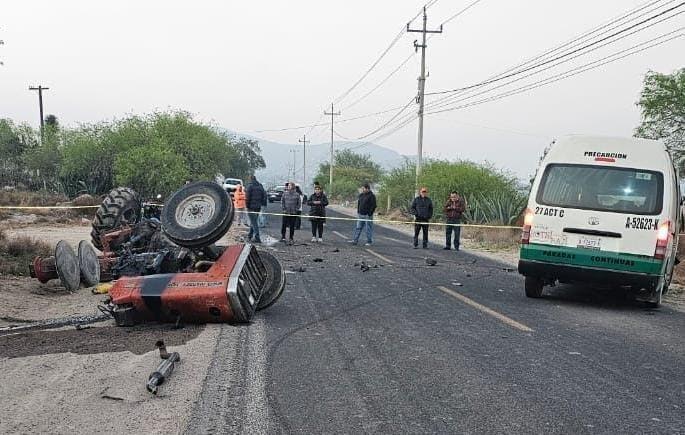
387 260
499 316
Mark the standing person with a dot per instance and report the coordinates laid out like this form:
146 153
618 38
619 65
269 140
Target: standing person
239 204
366 206
454 209
255 197
291 203
317 203
303 201
422 209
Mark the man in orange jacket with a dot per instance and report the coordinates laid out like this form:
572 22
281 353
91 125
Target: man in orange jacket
239 204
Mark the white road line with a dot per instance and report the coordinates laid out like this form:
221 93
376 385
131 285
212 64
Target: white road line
387 260
394 240
255 391
499 316
339 235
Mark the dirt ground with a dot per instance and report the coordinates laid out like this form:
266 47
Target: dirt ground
91 380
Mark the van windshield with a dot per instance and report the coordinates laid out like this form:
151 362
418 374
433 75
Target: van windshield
589 187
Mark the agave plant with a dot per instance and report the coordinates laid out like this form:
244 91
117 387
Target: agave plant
502 208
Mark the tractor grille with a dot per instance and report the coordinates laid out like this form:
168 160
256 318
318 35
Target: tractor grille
251 282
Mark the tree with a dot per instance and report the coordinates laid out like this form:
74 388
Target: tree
351 170
245 157
662 106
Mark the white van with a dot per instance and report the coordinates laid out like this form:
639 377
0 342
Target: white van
603 210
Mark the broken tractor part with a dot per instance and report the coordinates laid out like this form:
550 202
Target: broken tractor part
197 215
121 207
275 280
66 264
88 264
228 291
166 367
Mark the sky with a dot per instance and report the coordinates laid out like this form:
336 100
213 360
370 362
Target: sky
265 65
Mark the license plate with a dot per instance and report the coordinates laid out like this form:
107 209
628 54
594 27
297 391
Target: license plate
589 242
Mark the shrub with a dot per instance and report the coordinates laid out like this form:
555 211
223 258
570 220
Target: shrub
17 252
491 194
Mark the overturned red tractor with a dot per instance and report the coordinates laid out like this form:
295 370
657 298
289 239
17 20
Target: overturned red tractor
165 264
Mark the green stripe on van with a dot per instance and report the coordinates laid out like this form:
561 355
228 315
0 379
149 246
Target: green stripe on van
591 258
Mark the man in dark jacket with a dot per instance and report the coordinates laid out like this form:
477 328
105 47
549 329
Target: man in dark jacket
317 203
422 209
255 197
366 206
454 209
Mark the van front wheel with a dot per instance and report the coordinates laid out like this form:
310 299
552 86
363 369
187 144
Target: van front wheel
534 286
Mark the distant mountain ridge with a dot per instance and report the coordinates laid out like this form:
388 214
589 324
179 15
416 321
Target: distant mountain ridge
279 158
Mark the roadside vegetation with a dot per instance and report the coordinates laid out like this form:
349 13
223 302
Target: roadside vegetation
493 196
152 153
662 106
16 253
351 170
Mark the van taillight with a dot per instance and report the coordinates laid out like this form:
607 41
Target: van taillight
527 224
663 236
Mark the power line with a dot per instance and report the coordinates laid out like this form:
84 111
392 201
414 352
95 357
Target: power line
389 121
569 73
455 98
545 62
472 4
382 82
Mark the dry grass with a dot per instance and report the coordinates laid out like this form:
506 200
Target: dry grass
23 217
30 199
493 238
17 252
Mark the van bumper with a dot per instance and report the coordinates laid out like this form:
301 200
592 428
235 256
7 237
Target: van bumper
569 273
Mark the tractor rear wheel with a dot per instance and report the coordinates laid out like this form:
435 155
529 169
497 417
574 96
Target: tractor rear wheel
197 215
120 207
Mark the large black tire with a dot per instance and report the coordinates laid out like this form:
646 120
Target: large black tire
197 215
534 286
275 280
120 207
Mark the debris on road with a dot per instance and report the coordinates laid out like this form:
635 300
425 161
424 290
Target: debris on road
298 269
317 260
364 267
166 367
431 261
458 284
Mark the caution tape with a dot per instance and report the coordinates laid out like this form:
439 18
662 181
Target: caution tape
349 219
385 221
45 207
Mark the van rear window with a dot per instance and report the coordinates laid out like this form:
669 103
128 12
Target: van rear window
589 187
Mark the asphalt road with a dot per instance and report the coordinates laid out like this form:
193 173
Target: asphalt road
452 348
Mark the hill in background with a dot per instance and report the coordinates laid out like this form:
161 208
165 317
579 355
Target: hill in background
279 158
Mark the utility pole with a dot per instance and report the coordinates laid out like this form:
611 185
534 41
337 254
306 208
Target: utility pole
40 90
422 87
304 142
294 153
330 171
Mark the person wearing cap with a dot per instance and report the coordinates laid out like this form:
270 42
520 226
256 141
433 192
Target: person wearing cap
422 209
366 206
454 209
